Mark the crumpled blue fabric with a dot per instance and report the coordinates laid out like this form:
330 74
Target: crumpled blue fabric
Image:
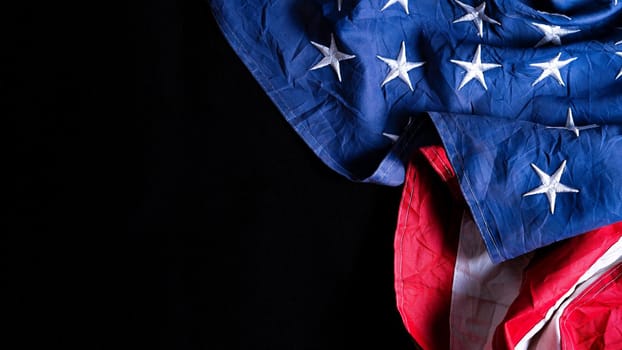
496 128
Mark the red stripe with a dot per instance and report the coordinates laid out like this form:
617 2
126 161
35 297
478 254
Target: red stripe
594 319
553 271
425 252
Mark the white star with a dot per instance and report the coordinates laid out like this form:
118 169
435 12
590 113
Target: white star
394 137
339 5
391 137
570 125
550 185
552 68
620 72
555 14
400 67
404 4
332 56
476 15
475 68
552 34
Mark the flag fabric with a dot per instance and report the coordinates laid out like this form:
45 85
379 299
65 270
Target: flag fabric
515 106
527 102
452 296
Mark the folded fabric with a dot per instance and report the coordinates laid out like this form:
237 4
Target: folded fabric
349 75
524 96
452 296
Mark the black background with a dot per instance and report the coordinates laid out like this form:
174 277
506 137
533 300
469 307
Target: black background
157 199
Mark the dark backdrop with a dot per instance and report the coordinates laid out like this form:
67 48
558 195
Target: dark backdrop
157 199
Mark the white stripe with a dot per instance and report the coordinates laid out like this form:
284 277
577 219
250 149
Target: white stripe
549 338
481 291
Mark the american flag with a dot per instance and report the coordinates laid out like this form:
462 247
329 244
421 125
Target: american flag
514 105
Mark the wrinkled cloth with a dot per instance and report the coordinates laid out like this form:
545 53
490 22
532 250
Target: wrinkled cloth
524 96
452 296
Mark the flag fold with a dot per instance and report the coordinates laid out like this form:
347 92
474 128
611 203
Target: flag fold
502 120
526 100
